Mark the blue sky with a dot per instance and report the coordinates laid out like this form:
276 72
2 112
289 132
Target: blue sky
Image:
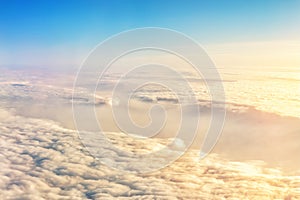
30 30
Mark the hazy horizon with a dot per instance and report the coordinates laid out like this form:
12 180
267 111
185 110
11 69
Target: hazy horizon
150 99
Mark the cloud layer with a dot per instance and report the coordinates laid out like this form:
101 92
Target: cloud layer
41 160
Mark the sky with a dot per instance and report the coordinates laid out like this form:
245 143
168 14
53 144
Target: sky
61 33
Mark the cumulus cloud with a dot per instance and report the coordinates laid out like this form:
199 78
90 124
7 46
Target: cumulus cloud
41 160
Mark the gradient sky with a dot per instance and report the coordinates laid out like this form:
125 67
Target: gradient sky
61 33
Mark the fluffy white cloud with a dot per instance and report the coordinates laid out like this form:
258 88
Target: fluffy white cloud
41 160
